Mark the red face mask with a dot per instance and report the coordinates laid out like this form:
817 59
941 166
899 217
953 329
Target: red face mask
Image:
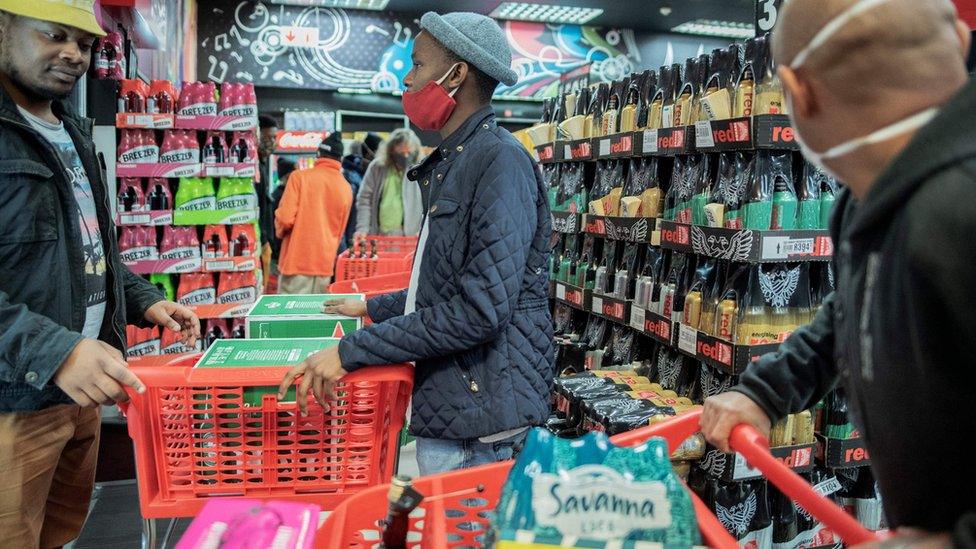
431 106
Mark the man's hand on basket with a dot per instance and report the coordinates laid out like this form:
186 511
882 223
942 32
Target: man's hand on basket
320 372
724 412
355 308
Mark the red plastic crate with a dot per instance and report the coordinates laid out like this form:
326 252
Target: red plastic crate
391 243
350 268
195 439
372 286
456 509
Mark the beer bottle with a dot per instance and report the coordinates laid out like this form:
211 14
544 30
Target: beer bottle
611 114
402 499
784 191
769 89
686 94
736 189
704 184
671 96
746 81
808 197
628 113
664 87
648 90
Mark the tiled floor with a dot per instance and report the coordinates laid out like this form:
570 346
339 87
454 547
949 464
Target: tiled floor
114 521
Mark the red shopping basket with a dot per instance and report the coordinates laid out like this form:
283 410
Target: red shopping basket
456 506
195 439
349 266
391 243
372 286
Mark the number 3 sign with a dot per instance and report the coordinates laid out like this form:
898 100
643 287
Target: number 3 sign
767 12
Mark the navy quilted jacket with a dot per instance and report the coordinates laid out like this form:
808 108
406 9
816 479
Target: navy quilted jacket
482 332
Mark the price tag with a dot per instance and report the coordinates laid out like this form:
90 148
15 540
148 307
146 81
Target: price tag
688 339
828 487
567 152
650 142
561 292
742 470
637 317
220 171
597 306
134 219
141 120
783 247
220 265
604 147
703 134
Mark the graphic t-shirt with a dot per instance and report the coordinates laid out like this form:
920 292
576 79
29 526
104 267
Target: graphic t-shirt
91 238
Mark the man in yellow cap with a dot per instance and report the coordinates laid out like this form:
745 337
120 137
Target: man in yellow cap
65 296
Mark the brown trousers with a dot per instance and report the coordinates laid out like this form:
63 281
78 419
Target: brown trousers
47 472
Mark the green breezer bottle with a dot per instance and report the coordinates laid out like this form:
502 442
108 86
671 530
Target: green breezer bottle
236 193
195 194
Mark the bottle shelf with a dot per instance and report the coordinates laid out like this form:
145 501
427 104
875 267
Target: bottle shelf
746 245
214 217
838 453
567 222
641 230
734 467
152 218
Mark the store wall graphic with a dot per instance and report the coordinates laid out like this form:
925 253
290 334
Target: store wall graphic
324 48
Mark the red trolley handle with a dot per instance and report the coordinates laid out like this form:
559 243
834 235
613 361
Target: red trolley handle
749 442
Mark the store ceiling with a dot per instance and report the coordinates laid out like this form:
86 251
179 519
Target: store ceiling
643 15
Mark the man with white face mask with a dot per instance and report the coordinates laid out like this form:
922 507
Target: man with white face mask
878 95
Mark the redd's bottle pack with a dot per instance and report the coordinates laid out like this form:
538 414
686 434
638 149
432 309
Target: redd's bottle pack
142 341
131 196
242 240
198 99
215 242
179 243
196 289
179 146
158 195
237 288
138 147
162 96
237 99
110 57
138 244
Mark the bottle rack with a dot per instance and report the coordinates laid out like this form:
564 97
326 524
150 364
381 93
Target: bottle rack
177 217
759 132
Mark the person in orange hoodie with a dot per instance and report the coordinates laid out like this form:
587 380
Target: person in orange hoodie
311 220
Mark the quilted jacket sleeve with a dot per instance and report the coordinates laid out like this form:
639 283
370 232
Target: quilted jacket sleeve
501 230
386 306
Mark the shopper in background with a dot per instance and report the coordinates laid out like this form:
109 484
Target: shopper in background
878 91
371 144
267 132
388 203
310 221
353 168
475 317
285 167
65 297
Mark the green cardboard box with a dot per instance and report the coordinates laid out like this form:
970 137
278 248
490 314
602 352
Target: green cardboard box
243 353
290 316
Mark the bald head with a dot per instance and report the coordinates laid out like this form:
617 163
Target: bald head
894 47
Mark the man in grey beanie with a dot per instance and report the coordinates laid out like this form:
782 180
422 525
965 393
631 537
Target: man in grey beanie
475 318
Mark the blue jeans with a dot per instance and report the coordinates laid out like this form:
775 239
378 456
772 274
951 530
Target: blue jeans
436 455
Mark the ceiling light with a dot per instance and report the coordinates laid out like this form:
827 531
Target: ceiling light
724 29
375 5
665 10
524 11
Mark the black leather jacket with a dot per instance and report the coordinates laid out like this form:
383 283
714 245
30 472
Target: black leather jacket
42 280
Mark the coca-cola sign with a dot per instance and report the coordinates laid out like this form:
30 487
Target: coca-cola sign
296 141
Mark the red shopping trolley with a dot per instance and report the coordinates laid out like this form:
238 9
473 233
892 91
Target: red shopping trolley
455 509
372 286
197 436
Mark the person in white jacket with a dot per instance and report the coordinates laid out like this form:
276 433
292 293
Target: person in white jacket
388 203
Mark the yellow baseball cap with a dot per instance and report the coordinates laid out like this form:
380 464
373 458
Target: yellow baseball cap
79 14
